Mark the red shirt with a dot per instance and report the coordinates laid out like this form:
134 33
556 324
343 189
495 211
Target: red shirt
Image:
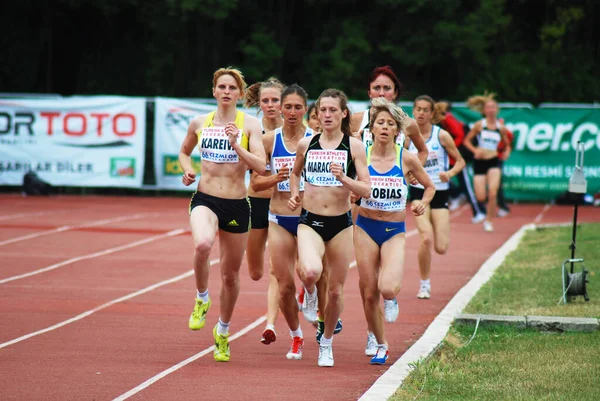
456 129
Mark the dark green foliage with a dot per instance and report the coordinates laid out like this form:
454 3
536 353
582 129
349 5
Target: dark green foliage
530 51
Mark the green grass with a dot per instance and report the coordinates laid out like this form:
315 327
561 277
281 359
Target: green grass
504 363
507 364
529 280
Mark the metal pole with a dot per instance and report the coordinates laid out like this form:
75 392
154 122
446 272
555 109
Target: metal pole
574 236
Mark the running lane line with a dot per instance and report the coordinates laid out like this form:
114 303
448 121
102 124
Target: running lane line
240 333
20 215
540 216
67 228
103 306
187 361
94 255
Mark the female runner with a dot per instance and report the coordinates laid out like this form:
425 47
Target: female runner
229 143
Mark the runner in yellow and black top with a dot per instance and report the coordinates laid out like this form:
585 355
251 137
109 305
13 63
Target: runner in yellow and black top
267 96
230 143
330 161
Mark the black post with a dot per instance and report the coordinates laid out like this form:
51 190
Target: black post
573 246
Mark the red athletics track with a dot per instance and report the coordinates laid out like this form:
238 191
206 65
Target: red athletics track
103 318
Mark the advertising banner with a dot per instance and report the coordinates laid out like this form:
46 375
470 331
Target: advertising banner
78 141
543 155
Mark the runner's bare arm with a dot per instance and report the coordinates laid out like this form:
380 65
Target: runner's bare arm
468 142
187 147
413 132
355 120
296 174
362 184
255 157
261 183
412 164
448 143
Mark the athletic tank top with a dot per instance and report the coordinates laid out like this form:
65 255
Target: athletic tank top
437 159
214 144
281 157
388 190
488 138
367 135
317 161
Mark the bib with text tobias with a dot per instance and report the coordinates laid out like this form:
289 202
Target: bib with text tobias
317 166
280 162
388 194
215 147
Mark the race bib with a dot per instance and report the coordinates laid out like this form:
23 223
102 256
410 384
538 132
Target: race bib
215 147
285 161
489 139
318 166
367 137
387 194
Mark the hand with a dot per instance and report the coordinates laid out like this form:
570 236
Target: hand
417 207
294 202
444 176
505 155
232 132
283 174
189 177
337 171
354 197
411 178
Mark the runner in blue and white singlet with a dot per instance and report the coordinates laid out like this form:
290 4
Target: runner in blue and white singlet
280 147
379 236
434 224
437 159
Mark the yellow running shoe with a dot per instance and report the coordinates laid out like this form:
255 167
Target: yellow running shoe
198 316
222 349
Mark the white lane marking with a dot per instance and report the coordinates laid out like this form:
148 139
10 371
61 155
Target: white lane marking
187 361
390 381
67 228
94 255
540 216
21 215
103 306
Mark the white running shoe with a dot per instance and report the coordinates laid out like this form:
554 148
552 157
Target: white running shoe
325 355
390 310
371 348
479 217
487 226
455 203
502 212
424 292
310 305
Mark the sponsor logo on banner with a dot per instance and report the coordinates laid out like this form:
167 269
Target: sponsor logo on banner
171 165
91 129
74 141
122 167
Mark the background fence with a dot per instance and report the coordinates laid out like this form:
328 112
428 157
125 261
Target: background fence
132 143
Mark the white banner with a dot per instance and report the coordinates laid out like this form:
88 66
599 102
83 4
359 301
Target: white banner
171 120
76 141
